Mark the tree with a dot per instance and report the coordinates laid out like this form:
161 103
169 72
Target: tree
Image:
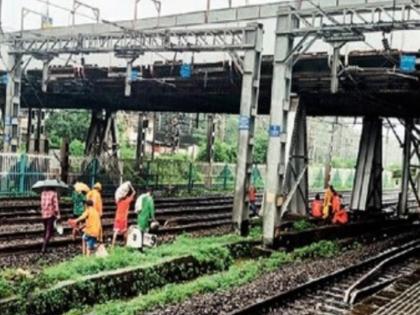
336 181
77 148
71 124
319 179
260 147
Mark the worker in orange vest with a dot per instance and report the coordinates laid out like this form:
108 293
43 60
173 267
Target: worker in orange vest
336 202
329 193
341 216
316 208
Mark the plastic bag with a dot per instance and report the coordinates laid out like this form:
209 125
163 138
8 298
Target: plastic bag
58 227
122 191
101 251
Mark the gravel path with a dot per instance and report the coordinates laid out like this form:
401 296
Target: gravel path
269 284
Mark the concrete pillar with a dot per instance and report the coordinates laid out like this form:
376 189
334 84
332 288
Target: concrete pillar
12 104
248 111
280 103
405 180
367 186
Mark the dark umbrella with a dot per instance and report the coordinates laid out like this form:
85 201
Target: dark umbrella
49 183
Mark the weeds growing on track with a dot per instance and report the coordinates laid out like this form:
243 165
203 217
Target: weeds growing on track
302 225
237 275
13 281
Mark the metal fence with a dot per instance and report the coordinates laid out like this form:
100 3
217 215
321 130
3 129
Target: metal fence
18 172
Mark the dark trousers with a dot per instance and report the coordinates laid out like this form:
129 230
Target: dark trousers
48 231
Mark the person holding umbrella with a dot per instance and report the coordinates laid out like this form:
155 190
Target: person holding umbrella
50 212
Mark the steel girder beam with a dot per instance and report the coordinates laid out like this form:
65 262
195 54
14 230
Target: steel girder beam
348 22
12 105
367 186
248 111
405 180
280 105
102 133
134 42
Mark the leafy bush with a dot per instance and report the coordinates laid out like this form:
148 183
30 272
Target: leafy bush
321 249
302 225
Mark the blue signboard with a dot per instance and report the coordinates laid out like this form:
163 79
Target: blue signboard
408 63
274 131
4 79
185 71
135 74
244 122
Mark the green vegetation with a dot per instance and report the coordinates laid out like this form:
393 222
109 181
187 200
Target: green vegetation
71 124
237 275
206 248
302 225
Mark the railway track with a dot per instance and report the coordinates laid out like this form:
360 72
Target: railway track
21 230
337 293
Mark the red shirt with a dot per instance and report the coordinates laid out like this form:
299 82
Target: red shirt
49 204
316 208
336 204
122 208
252 194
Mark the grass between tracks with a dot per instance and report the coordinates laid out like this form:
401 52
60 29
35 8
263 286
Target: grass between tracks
237 275
22 282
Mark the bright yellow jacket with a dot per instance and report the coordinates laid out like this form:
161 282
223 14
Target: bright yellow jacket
327 202
93 222
95 196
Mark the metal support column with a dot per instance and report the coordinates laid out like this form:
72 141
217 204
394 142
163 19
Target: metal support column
100 133
211 133
45 74
367 186
248 111
405 180
280 103
141 140
12 105
298 161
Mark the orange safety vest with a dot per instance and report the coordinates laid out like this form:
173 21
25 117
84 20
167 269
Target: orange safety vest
340 217
336 203
316 208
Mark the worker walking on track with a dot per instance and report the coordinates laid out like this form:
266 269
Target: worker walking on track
145 207
316 207
95 196
92 230
121 215
50 212
78 198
